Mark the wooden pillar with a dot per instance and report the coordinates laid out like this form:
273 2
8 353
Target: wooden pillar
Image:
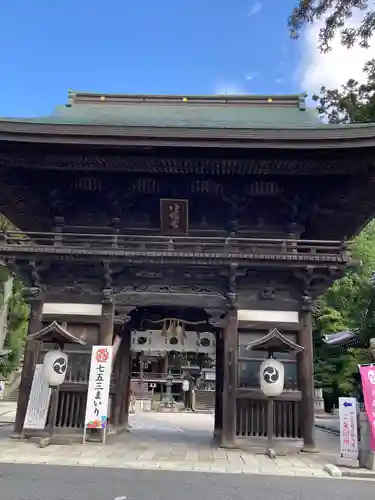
127 375
106 322
117 369
219 387
306 377
30 359
230 378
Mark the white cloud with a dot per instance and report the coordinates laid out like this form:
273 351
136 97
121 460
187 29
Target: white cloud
279 81
250 76
335 67
229 88
255 9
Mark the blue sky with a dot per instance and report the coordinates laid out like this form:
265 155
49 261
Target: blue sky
142 46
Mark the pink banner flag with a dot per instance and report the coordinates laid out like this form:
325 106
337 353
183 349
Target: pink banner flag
368 389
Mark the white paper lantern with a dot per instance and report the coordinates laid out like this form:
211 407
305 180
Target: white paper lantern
55 364
272 377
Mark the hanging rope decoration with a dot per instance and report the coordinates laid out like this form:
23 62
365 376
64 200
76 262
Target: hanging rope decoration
173 327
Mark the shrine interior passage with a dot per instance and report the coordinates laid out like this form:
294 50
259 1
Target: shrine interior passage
175 368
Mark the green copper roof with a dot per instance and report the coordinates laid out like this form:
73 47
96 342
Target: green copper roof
184 116
186 112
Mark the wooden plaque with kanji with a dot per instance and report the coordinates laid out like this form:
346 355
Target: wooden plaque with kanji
174 217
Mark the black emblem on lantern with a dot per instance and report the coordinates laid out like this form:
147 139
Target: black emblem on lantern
59 366
270 375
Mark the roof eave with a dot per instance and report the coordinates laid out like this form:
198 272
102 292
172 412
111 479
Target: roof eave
277 138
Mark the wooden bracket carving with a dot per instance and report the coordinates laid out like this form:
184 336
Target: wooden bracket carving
108 296
217 317
123 315
268 293
107 278
307 303
32 295
35 276
231 295
314 281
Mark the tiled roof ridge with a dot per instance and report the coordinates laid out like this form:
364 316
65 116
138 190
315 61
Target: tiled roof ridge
297 101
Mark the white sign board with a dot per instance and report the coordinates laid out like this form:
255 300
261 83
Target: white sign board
37 407
98 389
348 428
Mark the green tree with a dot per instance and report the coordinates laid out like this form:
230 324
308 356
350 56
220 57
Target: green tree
17 330
353 103
349 304
335 15
17 315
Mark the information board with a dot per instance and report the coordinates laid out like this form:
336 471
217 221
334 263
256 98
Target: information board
348 428
37 407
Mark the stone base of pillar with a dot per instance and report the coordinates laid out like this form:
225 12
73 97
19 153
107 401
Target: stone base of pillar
118 429
17 435
367 460
348 462
225 443
216 437
366 455
309 449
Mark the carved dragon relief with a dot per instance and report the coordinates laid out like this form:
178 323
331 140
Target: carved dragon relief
267 286
168 289
146 287
209 278
163 299
69 279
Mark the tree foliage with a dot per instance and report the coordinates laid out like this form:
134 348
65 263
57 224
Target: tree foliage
348 305
353 103
336 14
17 316
16 330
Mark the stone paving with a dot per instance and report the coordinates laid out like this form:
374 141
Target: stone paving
7 412
180 442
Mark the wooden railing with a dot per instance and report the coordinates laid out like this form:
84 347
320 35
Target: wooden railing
252 418
15 243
